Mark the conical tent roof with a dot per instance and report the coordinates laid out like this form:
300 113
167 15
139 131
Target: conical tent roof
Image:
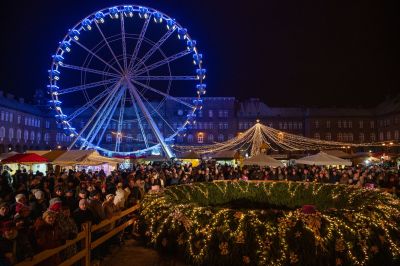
262 160
323 159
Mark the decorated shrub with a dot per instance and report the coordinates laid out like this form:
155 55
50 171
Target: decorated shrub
274 223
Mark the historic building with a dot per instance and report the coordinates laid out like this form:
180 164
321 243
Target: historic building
25 126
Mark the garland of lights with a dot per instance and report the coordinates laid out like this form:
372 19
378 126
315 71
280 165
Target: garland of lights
350 227
259 135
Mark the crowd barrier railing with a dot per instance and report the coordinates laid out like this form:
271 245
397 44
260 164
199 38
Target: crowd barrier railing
85 237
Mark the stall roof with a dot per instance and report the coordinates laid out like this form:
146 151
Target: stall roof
84 157
323 159
339 153
6 155
50 155
25 158
262 160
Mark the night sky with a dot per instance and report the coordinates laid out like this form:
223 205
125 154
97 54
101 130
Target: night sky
288 53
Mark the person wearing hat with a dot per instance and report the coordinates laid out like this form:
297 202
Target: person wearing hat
14 247
48 235
38 204
83 215
109 207
96 206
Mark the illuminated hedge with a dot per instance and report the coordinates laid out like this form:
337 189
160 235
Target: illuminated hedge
262 223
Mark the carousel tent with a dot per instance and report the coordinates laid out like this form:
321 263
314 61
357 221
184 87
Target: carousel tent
323 159
25 158
262 160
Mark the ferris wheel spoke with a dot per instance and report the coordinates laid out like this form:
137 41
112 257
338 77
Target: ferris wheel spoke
154 48
139 119
162 62
139 42
90 70
87 86
166 95
165 78
155 110
95 55
109 47
120 121
107 110
114 89
123 41
150 120
89 104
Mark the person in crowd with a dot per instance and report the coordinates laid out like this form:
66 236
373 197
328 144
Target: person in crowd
14 246
83 214
95 205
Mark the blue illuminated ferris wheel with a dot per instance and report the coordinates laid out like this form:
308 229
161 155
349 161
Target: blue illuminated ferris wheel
117 77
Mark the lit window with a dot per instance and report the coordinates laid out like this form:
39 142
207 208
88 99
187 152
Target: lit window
200 138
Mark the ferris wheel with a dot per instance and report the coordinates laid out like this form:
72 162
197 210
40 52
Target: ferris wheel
116 78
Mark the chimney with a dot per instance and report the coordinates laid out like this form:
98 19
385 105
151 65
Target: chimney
21 100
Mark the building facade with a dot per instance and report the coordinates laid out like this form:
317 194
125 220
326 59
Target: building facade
26 126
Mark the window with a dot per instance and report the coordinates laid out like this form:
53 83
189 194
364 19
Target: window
19 134
225 113
294 125
200 113
19 119
32 136
10 133
210 125
300 125
381 137
11 117
344 123
316 123
351 137
221 125
350 124
26 135
388 135
210 138
328 124
2 115
285 125
280 125
226 126
290 125
328 136
6 116
361 137
46 137
200 138
360 124
371 124
339 137
47 124
2 132
220 137
372 137
210 113
317 136
339 124
220 113
108 138
38 137
396 135
200 125
190 138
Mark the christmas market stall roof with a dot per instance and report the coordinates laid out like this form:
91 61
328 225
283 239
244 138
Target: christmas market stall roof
6 155
48 154
84 157
262 160
25 158
339 153
226 154
323 159
189 155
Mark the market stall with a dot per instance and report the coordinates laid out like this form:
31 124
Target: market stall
263 160
190 158
229 157
27 161
322 158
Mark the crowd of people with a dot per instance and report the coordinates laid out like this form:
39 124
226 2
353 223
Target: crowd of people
40 211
